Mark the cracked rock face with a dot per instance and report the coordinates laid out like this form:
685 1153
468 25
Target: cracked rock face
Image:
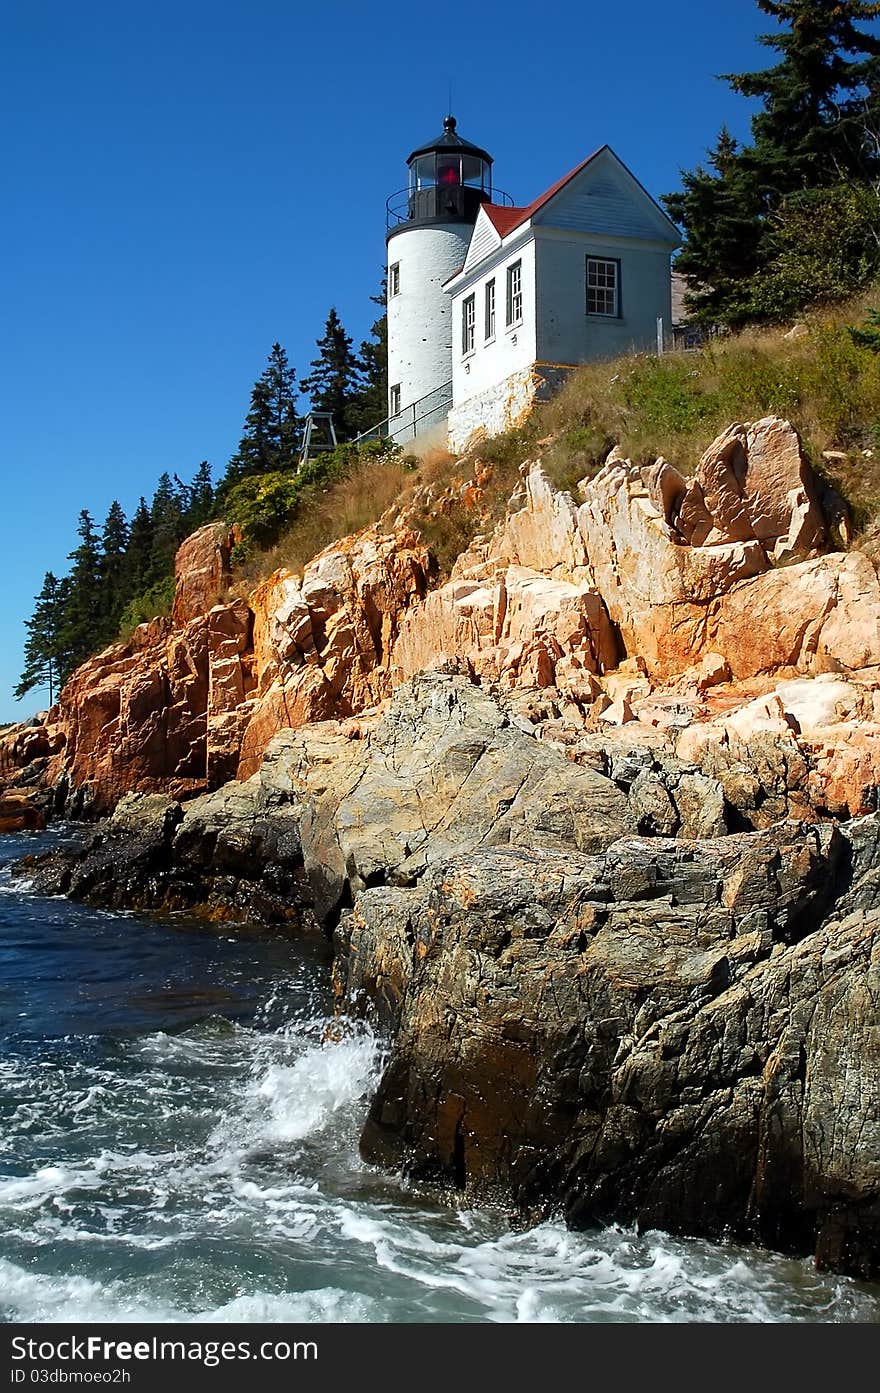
680 1035
443 771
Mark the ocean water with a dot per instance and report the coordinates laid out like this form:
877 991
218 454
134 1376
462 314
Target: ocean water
178 1141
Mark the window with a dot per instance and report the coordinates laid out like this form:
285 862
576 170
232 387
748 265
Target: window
490 310
394 279
603 287
514 294
394 400
468 322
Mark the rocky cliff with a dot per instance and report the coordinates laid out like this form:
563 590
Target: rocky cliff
667 601
592 823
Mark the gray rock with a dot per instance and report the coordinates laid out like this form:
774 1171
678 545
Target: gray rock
674 1034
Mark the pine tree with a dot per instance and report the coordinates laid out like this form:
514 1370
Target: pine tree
139 552
114 542
819 101
166 517
45 659
722 212
335 382
199 498
270 440
869 334
819 127
371 404
80 630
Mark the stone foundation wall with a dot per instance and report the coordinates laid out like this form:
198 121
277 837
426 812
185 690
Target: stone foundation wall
498 409
503 406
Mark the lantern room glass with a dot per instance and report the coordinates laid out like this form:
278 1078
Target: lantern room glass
450 169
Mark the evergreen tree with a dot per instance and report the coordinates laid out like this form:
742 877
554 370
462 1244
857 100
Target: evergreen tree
139 551
45 658
114 542
80 630
819 100
270 440
199 498
335 382
819 126
166 517
723 213
371 404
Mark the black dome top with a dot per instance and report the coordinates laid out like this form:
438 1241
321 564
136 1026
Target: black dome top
450 140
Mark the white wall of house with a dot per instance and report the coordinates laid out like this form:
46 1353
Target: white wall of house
566 332
513 347
492 385
420 316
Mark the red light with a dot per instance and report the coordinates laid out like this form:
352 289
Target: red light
449 175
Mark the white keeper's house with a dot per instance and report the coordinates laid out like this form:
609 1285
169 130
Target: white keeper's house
490 305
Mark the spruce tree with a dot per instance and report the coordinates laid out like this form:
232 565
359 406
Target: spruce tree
818 127
722 212
139 552
166 516
819 101
335 382
371 403
81 627
270 440
199 498
45 657
114 542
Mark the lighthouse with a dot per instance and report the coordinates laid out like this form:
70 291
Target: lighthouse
430 224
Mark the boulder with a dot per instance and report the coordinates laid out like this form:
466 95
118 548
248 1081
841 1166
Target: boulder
20 812
754 483
512 626
322 643
202 571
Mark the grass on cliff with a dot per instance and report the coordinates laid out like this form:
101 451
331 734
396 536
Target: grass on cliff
351 498
826 384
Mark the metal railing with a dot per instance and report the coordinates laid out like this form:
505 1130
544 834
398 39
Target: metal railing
401 206
412 420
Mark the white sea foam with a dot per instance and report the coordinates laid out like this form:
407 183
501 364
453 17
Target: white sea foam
27 1296
301 1098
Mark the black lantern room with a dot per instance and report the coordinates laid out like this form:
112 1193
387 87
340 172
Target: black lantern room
448 180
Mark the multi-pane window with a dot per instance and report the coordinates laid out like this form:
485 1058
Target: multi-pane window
514 293
394 400
603 287
468 323
490 310
394 279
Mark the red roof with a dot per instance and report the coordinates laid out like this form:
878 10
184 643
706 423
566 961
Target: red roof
504 220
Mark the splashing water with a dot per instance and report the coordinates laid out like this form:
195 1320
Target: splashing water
179 1141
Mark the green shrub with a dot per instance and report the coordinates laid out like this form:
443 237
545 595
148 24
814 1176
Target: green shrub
265 505
152 604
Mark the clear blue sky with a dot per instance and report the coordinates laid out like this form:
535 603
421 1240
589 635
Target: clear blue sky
186 183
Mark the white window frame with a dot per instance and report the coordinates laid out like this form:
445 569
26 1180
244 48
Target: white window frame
603 287
394 400
514 313
489 311
468 325
394 279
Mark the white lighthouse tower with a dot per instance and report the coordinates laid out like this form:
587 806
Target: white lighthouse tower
430 223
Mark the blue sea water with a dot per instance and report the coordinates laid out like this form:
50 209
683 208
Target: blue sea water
178 1141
